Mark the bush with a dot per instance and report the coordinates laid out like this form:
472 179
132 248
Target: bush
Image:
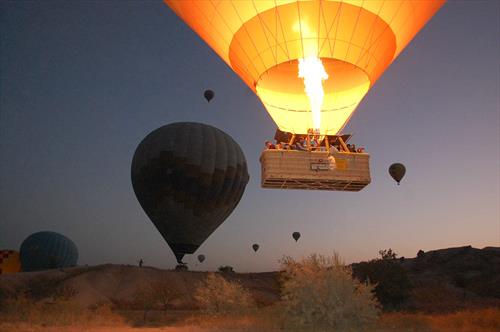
420 253
216 295
319 293
393 287
226 269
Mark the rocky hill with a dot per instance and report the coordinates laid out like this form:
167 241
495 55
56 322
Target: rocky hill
117 284
455 278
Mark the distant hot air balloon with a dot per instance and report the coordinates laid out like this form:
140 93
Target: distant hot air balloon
255 247
47 250
209 95
397 171
10 261
201 258
310 62
296 236
188 178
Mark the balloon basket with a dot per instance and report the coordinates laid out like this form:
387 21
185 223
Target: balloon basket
181 267
314 170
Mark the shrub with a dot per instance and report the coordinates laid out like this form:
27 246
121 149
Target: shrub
393 287
420 253
217 295
319 293
226 269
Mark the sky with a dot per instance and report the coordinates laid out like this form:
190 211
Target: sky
82 83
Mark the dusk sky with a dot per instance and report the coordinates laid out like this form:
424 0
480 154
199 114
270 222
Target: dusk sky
83 82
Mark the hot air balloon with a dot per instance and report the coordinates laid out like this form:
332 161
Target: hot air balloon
296 236
47 250
397 171
310 63
188 178
255 247
209 95
201 258
10 261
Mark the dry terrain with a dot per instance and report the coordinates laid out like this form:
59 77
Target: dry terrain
455 289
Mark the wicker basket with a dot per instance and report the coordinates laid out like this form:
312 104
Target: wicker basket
314 170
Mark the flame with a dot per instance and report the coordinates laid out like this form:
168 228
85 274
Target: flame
312 71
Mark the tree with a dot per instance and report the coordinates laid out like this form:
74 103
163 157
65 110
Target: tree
392 283
163 294
158 294
320 293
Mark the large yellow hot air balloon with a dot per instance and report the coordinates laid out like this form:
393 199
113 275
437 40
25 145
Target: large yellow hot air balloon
344 47
10 261
310 63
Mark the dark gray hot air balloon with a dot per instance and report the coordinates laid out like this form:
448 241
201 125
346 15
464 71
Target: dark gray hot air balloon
296 236
255 247
47 250
188 178
201 258
209 95
397 171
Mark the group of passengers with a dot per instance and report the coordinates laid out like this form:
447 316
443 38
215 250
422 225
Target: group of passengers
315 144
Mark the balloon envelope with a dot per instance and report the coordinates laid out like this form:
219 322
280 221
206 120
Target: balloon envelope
10 261
397 171
255 247
201 258
209 95
47 250
263 41
296 236
188 178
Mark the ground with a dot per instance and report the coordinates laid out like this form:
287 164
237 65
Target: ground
455 290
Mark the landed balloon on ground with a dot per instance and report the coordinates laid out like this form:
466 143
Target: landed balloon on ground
10 261
397 172
47 250
296 236
209 95
255 247
188 178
